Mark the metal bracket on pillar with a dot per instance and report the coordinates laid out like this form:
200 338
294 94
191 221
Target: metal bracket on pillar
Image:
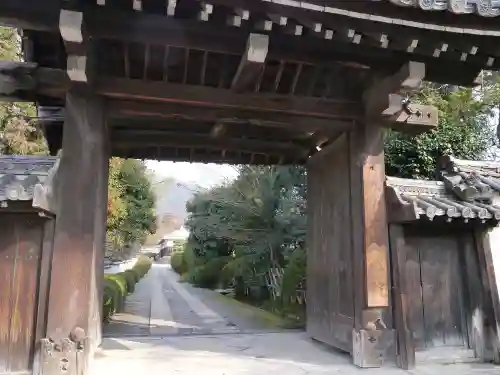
66 356
58 358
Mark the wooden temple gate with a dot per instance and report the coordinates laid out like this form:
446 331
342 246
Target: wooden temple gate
242 82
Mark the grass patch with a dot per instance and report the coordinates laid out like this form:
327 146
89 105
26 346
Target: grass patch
264 317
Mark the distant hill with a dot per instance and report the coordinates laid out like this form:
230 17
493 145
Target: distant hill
172 196
171 199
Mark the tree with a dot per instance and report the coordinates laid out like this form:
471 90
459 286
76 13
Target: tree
18 135
465 131
254 224
139 199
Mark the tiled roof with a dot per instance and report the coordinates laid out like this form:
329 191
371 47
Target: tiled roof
20 174
429 199
463 189
484 8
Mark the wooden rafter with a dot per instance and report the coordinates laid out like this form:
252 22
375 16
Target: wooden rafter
142 27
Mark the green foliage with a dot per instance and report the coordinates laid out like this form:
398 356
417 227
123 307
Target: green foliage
293 284
177 262
18 134
240 231
131 202
118 286
207 275
464 131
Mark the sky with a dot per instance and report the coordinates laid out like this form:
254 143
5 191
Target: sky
205 175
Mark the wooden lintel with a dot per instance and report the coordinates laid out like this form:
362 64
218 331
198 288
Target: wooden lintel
252 62
407 79
135 109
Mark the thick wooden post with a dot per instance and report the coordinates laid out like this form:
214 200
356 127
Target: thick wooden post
74 295
373 337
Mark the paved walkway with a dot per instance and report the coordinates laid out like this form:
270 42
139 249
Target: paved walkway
173 328
161 306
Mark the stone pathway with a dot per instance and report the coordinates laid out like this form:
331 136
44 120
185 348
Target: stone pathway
173 328
160 306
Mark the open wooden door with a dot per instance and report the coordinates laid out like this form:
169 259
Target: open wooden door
330 296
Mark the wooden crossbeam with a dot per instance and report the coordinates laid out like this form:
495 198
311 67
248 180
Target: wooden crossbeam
172 139
208 97
384 101
417 119
378 97
134 109
251 63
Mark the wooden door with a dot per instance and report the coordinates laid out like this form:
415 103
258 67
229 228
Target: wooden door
437 297
330 290
20 247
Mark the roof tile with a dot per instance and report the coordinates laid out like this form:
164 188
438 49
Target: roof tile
20 174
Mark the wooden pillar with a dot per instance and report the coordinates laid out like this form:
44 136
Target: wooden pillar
74 295
373 337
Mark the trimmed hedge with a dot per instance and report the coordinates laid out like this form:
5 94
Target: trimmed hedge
118 286
177 262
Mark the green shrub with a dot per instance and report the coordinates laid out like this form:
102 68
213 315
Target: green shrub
293 285
177 262
118 286
208 275
115 290
131 277
142 266
191 261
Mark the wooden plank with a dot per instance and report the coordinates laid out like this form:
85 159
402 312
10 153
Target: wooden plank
406 347
44 278
28 232
330 317
8 250
414 289
252 63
